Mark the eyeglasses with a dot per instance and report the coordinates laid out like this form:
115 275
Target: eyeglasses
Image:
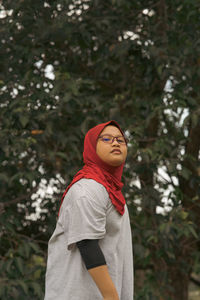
109 139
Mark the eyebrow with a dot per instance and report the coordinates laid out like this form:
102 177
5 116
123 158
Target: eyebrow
111 135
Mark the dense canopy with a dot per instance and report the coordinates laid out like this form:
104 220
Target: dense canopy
68 65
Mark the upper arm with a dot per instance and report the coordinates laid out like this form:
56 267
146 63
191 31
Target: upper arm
84 215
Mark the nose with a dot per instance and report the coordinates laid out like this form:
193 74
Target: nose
115 142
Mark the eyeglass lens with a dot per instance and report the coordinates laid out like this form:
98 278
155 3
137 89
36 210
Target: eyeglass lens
110 139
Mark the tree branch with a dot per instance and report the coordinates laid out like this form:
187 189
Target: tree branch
16 200
195 280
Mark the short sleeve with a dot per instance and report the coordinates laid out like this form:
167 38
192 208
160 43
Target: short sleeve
84 215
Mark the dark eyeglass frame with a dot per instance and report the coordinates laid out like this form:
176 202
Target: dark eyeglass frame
113 138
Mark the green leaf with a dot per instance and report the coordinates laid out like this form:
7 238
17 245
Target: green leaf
34 246
8 265
36 288
186 173
191 229
3 177
24 120
20 264
23 286
184 214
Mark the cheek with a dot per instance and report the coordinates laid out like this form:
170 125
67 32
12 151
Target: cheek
125 152
100 149
103 151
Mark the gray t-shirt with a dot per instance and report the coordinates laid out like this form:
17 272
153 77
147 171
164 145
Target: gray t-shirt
88 213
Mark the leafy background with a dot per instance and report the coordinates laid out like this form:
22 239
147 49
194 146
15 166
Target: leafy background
68 65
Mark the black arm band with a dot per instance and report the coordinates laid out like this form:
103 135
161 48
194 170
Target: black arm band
91 253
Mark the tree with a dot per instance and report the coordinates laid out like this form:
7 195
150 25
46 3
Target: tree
133 61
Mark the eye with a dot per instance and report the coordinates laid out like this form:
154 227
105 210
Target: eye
121 140
106 139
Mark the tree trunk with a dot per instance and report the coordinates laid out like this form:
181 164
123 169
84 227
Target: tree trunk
175 285
179 283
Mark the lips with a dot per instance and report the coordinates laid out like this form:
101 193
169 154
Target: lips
116 151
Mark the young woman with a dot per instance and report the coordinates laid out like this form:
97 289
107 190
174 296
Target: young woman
90 251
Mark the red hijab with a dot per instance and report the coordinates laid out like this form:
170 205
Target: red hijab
98 170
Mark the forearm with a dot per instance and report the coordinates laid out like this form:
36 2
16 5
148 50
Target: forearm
104 282
95 263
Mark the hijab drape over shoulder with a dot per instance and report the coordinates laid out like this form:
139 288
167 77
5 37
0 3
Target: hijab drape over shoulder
96 169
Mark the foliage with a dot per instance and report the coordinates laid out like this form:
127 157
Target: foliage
133 61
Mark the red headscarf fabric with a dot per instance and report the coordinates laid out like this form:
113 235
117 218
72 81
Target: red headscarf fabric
98 170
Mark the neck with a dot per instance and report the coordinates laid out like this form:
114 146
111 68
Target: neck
114 171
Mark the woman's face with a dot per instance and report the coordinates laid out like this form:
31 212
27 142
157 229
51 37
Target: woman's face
108 152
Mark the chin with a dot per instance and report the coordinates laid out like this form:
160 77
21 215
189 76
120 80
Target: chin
116 163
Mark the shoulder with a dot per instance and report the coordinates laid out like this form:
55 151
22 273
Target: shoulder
87 189
89 185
